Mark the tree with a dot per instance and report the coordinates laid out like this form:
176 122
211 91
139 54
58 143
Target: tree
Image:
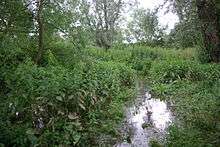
210 20
145 27
104 19
205 16
52 19
40 30
187 31
13 23
185 34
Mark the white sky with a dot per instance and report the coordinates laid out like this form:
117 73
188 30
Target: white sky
165 19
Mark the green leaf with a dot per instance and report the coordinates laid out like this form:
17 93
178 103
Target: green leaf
59 98
82 106
77 137
30 131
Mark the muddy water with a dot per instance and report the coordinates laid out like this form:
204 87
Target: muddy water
146 119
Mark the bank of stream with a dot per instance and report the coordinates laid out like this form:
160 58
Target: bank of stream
147 119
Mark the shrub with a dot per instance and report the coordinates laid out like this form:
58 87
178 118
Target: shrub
171 70
55 105
192 88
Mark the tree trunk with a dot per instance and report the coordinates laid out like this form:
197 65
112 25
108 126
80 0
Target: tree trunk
40 32
207 13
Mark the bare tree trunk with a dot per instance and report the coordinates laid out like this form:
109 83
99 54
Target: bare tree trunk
207 13
40 31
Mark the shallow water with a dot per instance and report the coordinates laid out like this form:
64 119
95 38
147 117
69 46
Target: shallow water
147 118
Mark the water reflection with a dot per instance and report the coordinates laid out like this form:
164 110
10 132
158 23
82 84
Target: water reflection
147 119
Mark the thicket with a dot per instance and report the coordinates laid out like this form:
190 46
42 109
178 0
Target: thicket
192 88
72 99
57 90
77 96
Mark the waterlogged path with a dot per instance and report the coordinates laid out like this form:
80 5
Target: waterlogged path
147 118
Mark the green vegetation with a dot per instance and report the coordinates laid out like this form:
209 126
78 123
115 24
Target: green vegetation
62 103
193 88
68 68
178 77
154 143
76 101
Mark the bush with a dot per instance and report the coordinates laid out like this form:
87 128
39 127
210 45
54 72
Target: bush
192 88
54 105
171 70
142 66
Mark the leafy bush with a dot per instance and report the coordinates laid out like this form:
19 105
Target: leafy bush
171 70
54 105
10 58
186 136
77 97
142 66
193 89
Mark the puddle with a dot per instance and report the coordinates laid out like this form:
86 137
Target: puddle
147 118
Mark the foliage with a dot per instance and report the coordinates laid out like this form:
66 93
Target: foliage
199 19
145 28
12 22
170 71
193 88
154 143
76 95
185 34
41 103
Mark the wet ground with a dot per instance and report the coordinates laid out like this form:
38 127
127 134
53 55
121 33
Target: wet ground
147 119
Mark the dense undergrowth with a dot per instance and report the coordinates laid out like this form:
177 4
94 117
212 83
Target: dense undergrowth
193 89
72 99
76 98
